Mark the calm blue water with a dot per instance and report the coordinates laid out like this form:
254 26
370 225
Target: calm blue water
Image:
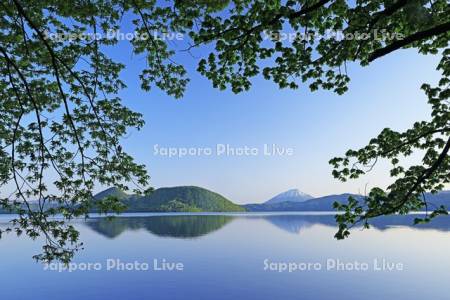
223 258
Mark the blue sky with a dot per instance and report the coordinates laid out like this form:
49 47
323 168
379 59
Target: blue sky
317 126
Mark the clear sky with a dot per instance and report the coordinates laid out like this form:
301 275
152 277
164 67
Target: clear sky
317 126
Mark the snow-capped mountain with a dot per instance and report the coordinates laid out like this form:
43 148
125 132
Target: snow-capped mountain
293 195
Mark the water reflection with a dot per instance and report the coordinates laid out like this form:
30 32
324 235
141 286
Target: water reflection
224 259
184 226
297 223
193 226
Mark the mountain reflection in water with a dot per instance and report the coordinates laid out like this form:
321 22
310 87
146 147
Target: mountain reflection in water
194 226
183 226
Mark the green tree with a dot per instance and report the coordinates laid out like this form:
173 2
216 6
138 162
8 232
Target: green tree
61 116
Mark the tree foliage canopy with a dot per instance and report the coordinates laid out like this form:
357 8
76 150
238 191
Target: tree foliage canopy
61 120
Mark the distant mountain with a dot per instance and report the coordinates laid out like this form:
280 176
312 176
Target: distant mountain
175 199
436 200
197 199
326 203
293 195
315 204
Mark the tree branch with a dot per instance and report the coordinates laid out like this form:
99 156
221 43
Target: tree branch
421 179
438 30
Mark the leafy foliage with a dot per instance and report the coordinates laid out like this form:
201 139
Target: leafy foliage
60 114
407 192
295 40
61 119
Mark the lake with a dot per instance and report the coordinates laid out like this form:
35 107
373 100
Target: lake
236 256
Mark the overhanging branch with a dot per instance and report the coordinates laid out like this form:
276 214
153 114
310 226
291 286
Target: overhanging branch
418 36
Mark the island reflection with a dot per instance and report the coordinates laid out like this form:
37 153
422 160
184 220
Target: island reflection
183 226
